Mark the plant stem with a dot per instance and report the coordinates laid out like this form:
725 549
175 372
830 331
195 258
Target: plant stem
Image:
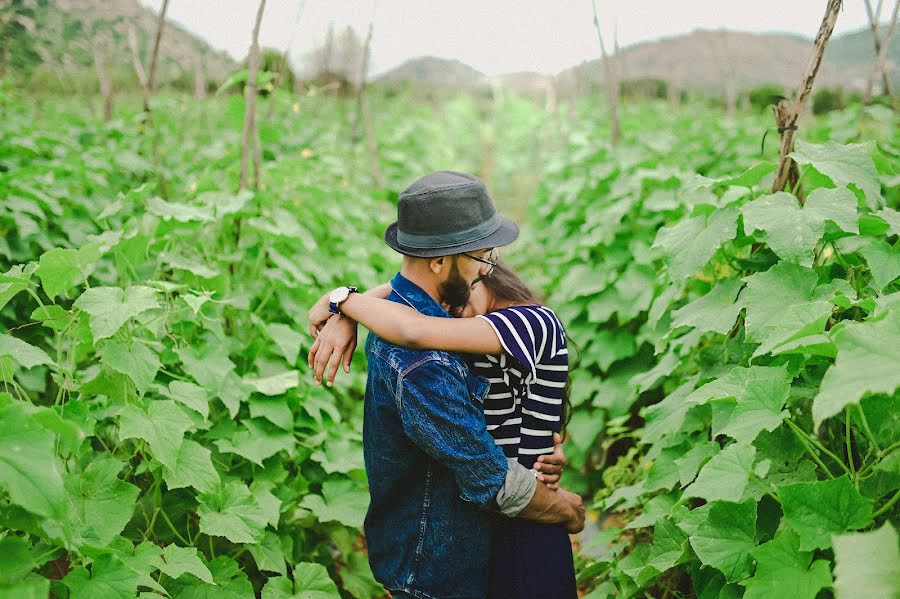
887 506
865 423
802 437
849 450
174 531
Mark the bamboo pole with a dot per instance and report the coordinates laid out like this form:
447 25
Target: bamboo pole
249 136
612 84
787 113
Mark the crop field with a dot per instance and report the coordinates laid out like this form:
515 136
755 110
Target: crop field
736 422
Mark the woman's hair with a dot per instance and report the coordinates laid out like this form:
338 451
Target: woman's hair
506 285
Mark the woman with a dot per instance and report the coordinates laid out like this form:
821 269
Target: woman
524 356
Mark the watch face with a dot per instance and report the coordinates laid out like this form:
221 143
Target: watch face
339 295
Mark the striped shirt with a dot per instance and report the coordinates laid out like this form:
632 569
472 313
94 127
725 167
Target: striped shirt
524 404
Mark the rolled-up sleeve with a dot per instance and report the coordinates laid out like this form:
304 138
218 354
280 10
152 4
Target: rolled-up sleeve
439 416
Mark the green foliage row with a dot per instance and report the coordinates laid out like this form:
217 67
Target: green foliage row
736 402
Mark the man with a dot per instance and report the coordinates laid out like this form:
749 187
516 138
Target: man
434 471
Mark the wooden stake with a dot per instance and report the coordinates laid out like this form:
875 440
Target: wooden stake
786 113
612 84
363 111
882 45
106 90
249 135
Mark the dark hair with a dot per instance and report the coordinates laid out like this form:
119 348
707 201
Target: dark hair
506 285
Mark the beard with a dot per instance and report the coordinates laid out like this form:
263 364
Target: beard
455 291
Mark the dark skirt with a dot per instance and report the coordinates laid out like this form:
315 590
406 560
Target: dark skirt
530 560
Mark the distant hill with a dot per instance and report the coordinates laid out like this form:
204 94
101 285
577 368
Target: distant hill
64 32
701 58
696 60
433 71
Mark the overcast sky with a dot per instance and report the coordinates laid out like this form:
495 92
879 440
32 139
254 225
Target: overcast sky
494 36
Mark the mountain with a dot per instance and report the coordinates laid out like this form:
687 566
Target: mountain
63 34
701 59
697 60
433 71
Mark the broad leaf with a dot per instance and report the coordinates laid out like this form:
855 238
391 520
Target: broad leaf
819 509
689 244
162 426
793 231
725 476
867 564
231 512
867 362
111 307
724 539
784 571
843 164
136 360
341 501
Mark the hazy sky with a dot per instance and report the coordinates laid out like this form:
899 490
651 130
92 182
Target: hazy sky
494 36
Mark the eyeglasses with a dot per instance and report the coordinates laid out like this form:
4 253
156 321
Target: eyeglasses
493 256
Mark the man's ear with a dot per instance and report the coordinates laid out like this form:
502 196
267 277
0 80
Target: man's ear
438 264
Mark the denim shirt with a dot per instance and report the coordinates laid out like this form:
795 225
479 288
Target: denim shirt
434 471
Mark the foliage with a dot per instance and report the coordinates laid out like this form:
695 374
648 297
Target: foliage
763 96
735 409
827 99
159 433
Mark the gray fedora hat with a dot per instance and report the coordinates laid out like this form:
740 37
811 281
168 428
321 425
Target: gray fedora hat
446 213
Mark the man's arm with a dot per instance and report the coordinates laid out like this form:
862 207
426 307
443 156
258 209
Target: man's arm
442 420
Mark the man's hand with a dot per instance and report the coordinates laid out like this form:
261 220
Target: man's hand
318 315
335 343
550 466
576 521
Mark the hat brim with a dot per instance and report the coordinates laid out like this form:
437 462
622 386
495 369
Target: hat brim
505 235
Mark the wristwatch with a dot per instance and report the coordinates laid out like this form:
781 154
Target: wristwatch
337 296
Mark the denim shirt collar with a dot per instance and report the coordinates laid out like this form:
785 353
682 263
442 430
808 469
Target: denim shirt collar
416 297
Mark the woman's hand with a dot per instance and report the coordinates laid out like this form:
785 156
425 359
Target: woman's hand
550 466
318 315
335 343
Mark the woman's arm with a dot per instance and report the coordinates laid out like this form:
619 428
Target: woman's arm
406 327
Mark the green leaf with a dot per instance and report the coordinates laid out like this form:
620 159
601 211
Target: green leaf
229 582
213 369
782 305
24 354
314 577
724 539
793 231
695 457
759 407
109 578
162 426
193 468
339 455
341 501
101 504
62 269
12 282
888 215
274 384
843 164
258 440
715 311
182 213
136 360
784 571
358 580
819 509
111 307
610 346
689 244
179 560
867 362
16 560
867 564
32 587
287 340
268 554
725 476
29 469
193 396
275 410
231 512
883 261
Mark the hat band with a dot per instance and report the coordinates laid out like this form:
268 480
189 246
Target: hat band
449 240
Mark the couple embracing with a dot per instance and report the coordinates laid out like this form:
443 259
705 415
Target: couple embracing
466 387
